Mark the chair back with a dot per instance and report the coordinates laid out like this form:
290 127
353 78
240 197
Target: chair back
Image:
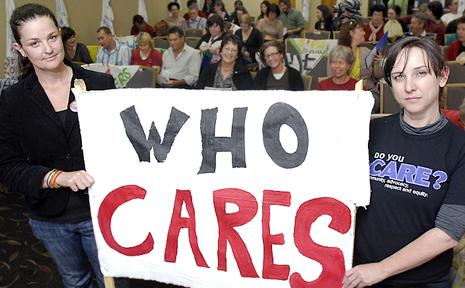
192 41
161 42
320 70
93 49
336 34
145 77
388 103
454 94
457 72
194 33
317 35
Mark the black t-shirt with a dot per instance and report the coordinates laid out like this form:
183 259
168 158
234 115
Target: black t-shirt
412 176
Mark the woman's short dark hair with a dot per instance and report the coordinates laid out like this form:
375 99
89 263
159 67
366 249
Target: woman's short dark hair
273 8
171 4
344 36
67 33
378 8
273 43
325 11
215 19
436 9
19 17
433 56
231 38
138 19
396 9
221 4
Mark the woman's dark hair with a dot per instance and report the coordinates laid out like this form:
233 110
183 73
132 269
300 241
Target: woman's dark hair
325 11
344 36
273 8
240 8
396 9
273 43
171 4
378 8
219 3
21 15
436 9
66 34
433 56
231 38
138 19
215 19
267 4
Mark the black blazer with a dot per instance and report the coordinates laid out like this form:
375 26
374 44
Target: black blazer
295 79
33 141
241 77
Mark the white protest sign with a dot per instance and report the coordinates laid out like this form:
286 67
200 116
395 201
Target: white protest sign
304 54
205 188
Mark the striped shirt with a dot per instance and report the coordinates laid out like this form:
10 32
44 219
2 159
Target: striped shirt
118 56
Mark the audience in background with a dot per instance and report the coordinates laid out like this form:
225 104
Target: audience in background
325 19
276 75
292 20
434 24
270 26
218 9
352 35
210 43
208 7
238 6
145 54
251 39
392 26
403 5
341 59
194 21
175 18
111 52
263 9
458 46
453 12
74 50
374 28
230 73
139 25
191 3
181 63
236 15
417 27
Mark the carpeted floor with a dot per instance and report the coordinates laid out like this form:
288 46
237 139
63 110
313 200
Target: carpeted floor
24 262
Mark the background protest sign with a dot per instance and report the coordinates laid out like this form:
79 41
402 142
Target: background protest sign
304 54
121 73
275 209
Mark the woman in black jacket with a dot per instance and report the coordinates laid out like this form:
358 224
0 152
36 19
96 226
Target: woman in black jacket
41 153
325 19
276 76
250 37
230 73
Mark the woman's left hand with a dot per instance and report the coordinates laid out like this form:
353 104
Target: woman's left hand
363 276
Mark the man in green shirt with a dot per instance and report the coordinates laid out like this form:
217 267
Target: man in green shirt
292 20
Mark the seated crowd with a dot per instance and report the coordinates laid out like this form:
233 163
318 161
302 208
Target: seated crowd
239 52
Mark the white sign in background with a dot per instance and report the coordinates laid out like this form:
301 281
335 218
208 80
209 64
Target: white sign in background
335 166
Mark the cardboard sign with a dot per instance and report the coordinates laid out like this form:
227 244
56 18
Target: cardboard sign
305 54
226 189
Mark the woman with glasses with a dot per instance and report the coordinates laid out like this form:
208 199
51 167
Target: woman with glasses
230 73
250 38
406 236
276 75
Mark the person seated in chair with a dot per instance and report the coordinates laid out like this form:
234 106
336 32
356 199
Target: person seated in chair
341 59
374 29
276 76
230 73
181 63
139 25
111 52
145 54
74 50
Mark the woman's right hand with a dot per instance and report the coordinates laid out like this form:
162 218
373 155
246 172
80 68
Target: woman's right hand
76 180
